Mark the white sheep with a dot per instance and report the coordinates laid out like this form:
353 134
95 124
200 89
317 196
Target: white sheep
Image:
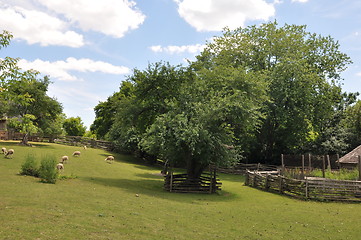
109 159
3 150
76 153
9 153
60 167
64 159
85 147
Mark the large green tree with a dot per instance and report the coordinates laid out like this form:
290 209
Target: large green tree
188 118
302 70
24 96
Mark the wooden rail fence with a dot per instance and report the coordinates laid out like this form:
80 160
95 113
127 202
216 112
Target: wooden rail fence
84 141
241 168
207 183
309 188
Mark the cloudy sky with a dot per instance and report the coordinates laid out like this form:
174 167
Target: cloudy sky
88 47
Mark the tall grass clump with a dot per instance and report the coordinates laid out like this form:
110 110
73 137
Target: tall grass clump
30 166
342 174
47 171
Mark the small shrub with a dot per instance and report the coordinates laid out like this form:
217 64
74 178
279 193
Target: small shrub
30 167
47 171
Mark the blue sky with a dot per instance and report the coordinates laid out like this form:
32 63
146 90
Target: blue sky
88 47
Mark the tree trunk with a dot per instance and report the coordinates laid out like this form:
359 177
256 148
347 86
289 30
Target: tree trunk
24 141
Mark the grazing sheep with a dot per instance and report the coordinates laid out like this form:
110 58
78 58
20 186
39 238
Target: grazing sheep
60 167
64 159
109 159
3 150
9 153
76 153
85 147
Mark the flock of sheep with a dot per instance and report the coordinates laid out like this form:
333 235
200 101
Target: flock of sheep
8 153
60 166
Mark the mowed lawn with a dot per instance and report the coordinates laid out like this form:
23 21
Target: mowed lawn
125 200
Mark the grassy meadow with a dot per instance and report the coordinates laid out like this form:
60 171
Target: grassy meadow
125 200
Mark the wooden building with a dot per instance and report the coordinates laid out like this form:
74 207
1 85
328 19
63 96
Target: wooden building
350 160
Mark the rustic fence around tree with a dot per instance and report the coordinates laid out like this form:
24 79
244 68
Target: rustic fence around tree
207 183
310 188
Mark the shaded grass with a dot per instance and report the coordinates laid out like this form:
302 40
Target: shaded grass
101 203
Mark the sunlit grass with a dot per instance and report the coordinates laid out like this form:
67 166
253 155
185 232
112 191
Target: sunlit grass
125 200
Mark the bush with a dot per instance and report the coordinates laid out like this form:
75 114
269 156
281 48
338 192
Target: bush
47 171
30 167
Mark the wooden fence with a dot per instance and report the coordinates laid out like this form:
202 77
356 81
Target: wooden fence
207 183
309 188
241 168
84 141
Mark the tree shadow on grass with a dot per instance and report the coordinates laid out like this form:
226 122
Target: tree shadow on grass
152 185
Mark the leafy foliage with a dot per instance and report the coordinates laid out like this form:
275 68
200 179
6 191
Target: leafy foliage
30 166
302 70
47 170
74 126
23 95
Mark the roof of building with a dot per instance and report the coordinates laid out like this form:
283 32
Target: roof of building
351 157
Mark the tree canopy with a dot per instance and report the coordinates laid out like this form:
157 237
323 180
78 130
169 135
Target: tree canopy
302 70
254 93
24 96
74 126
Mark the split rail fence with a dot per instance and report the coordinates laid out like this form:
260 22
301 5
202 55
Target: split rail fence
309 188
207 183
84 141
241 168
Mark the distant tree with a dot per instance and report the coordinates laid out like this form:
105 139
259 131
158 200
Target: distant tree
106 111
52 128
74 126
352 122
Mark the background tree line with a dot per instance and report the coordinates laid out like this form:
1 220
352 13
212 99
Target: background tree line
252 94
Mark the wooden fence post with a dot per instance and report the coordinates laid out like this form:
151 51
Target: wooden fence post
323 166
306 190
283 165
309 162
338 163
328 163
359 167
246 182
266 186
171 181
303 167
280 182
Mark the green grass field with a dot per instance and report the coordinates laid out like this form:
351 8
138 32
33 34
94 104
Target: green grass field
101 203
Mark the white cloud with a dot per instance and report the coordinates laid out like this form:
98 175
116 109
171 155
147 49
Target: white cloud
38 27
61 69
301 1
110 17
178 49
54 22
214 15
